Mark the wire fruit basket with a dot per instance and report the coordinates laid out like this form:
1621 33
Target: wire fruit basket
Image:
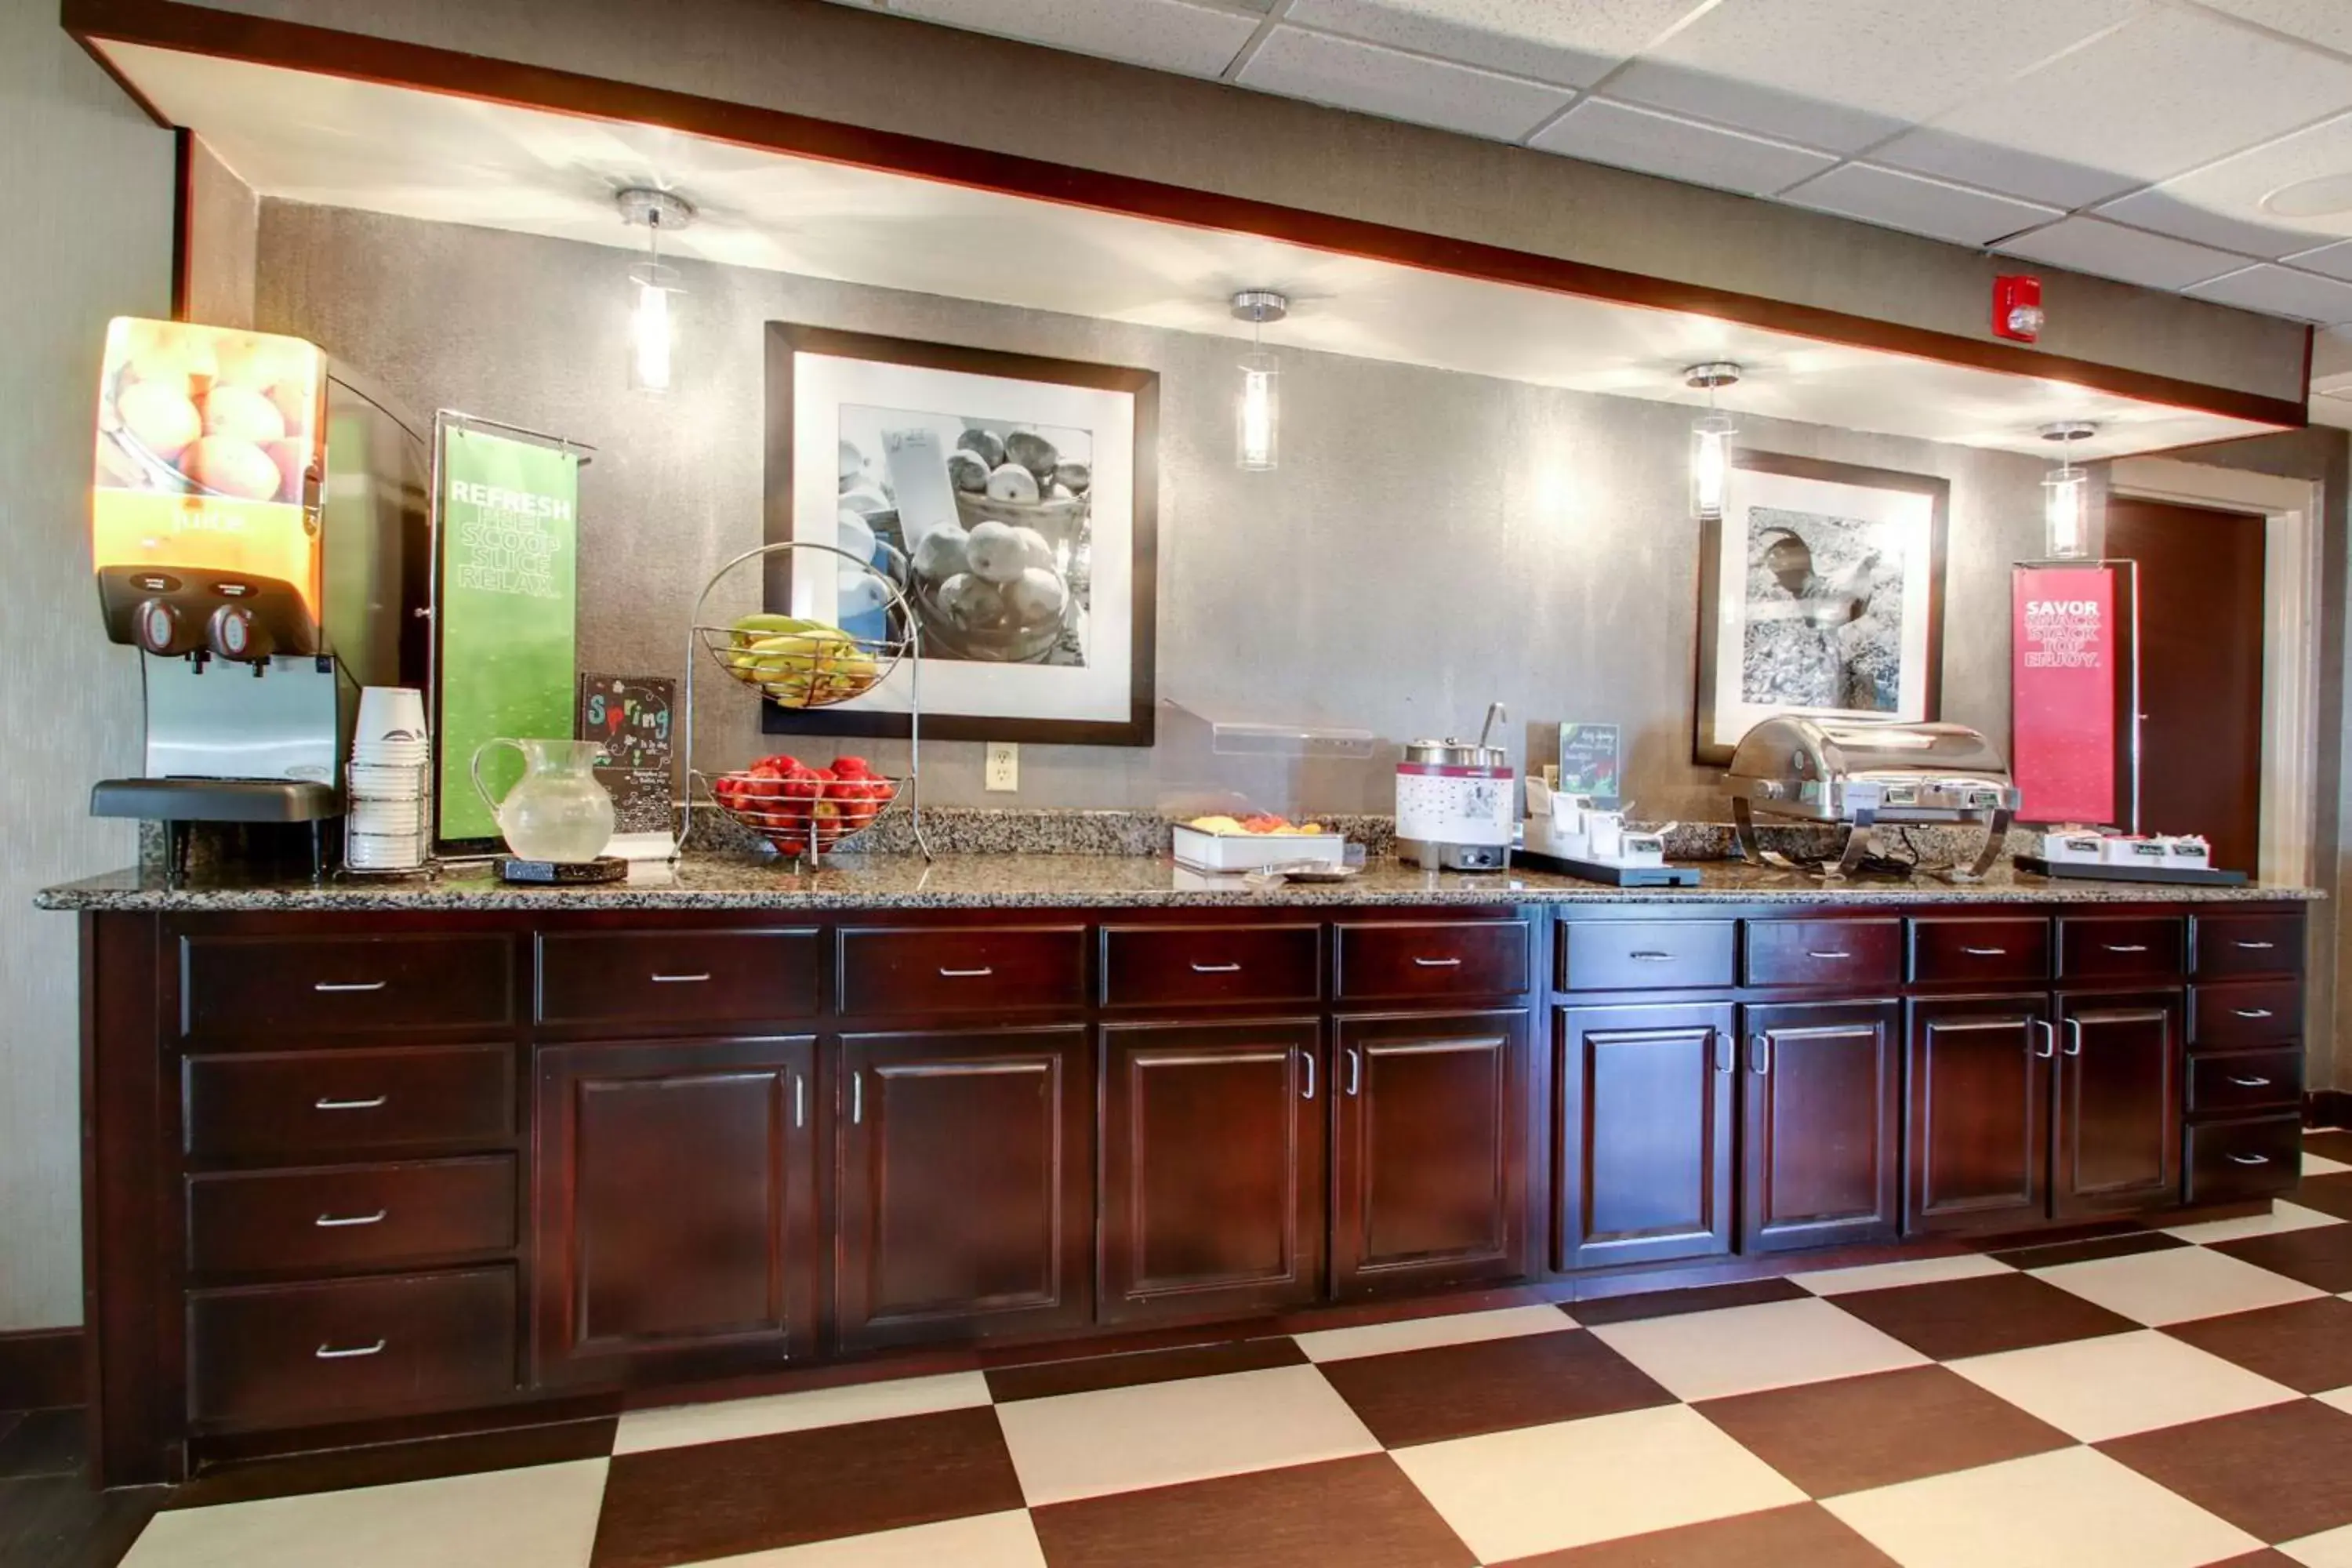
801 664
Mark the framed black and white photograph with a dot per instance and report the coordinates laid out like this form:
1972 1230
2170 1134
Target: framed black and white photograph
1011 499
1820 593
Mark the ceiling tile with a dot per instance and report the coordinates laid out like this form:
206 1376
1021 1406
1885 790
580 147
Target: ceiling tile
1378 80
1166 35
2327 22
2250 202
1932 150
2109 250
1845 73
1661 143
2280 291
2171 90
1922 206
2332 260
1572 43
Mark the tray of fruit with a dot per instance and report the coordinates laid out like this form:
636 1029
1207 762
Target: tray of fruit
798 662
1248 843
804 810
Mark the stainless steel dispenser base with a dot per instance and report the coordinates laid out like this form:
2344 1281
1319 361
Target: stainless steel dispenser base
1453 856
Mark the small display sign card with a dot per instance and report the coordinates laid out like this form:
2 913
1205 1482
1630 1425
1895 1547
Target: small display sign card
1589 763
629 716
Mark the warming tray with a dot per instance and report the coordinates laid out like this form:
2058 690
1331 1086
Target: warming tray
1861 773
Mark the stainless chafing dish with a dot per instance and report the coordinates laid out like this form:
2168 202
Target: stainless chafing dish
1864 772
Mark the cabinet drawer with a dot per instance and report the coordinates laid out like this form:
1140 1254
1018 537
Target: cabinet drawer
2118 947
1825 952
1644 955
1195 965
2250 1158
290 1353
2245 1012
282 989
949 969
2246 1080
1946 948
2267 943
1411 960
325 1104
332 1218
682 977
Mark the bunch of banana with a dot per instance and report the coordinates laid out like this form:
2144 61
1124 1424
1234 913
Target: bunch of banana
799 663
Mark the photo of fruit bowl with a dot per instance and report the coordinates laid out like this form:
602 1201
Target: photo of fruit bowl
802 810
194 410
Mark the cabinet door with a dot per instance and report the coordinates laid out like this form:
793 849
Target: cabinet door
1820 1151
677 1216
1212 1188
966 1167
2120 1059
1979 1121
1643 1161
1429 1163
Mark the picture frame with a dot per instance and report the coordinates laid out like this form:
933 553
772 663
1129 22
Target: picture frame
1036 601
1820 593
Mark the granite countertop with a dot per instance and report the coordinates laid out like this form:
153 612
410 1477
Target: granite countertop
1102 881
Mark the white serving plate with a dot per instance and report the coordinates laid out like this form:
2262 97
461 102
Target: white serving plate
1250 851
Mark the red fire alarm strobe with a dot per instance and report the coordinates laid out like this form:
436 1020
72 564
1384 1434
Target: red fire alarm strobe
2017 308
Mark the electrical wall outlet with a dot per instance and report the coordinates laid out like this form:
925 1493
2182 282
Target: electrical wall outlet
1004 770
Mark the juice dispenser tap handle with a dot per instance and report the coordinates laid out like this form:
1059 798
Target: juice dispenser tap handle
1494 711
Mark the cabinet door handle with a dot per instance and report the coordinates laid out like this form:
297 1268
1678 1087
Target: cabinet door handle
2074 1037
1437 962
1985 951
983 972
327 1353
800 1100
2250 1082
2249 1159
333 987
351 1104
1216 969
2255 946
340 1222
2049 1038
1760 1054
1724 1052
1650 955
2126 947
681 979
1355 1071
2253 1012
1827 953
857 1096
1307 1060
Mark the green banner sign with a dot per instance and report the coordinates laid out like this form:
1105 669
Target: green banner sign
510 562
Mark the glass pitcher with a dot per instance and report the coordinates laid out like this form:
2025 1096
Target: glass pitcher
556 811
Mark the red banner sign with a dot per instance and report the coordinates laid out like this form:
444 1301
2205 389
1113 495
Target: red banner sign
2064 646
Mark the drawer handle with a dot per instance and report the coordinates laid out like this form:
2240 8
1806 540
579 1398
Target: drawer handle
2249 1159
2250 1082
2126 947
681 979
1827 953
1985 951
331 987
1650 955
342 1222
2252 1012
983 972
1216 969
1437 962
375 1103
2255 946
327 1353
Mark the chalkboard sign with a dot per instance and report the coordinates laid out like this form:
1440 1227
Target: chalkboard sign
629 716
1589 763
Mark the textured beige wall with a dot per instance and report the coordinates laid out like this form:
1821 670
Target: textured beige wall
867 68
223 223
88 196
1431 543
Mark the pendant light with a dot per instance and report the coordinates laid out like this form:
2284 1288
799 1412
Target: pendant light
650 339
1258 415
2065 495
1711 439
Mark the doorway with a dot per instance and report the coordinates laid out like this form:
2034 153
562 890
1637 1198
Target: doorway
2202 620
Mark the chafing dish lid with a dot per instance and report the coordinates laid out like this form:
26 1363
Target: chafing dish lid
1793 747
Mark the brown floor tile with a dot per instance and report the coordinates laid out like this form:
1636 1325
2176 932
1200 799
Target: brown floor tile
2307 1345
2265 1558
1806 1534
45 1443
2088 1250
1955 1317
1673 1303
2321 1255
2277 1473
58 1522
466 1454
1362 1512
722 1500
2331 1144
1458 1391
2329 1195
1855 1433
1046 1379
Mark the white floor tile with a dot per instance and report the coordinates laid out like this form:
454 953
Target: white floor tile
985 1541
2075 1508
2177 1285
1739 1349
2095 1389
542 1517
1120 1440
1545 1488
1911 1271
1424 1334
2328 1549
2284 1216
680 1425
2320 1165
2339 1398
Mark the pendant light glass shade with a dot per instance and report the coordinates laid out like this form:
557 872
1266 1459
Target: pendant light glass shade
649 337
1257 409
652 334
1710 458
2067 498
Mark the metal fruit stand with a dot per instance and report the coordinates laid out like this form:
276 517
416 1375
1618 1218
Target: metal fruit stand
816 666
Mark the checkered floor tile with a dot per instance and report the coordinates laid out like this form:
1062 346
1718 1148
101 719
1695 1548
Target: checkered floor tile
2160 1399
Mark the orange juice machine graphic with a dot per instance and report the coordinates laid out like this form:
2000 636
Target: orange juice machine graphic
258 531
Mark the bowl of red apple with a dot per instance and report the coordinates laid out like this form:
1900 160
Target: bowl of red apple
800 808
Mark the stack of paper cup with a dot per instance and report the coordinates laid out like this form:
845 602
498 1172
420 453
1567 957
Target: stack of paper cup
389 781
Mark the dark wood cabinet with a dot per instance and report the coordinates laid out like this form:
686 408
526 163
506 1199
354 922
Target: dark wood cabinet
1213 1168
1851 954
1821 1133
1429 1181
2119 1067
1979 1111
1642 1135
964 1186
676 1208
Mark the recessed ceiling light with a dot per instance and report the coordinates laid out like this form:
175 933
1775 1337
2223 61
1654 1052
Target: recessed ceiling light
2324 197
